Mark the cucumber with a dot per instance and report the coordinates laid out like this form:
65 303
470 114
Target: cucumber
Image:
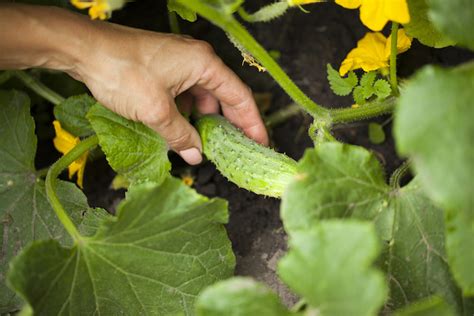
241 160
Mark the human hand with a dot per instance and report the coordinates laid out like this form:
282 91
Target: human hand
138 74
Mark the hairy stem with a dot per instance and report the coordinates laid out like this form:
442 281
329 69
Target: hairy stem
230 25
51 180
393 58
398 174
369 110
38 87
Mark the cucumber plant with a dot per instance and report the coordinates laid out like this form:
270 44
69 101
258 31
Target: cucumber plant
358 244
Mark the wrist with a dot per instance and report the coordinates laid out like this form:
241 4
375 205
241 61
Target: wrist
50 38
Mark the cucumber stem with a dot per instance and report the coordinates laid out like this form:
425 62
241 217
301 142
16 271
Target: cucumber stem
38 87
51 179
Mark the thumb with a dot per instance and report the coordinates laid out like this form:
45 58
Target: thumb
181 136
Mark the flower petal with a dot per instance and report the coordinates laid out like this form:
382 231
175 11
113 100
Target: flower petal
368 55
349 4
372 14
64 141
397 10
81 4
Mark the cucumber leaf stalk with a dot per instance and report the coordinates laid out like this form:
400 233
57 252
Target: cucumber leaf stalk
243 161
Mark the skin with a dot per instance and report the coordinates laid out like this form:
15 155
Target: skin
135 73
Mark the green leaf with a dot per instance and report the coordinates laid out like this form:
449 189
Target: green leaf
376 133
367 84
416 257
239 296
131 148
166 244
433 125
341 86
382 88
330 266
454 18
337 180
72 114
358 95
355 172
428 307
421 27
460 239
182 11
25 213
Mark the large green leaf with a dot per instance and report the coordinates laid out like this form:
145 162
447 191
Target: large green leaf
337 180
460 243
415 257
25 213
455 19
165 245
421 28
239 296
433 125
329 265
72 114
131 148
334 180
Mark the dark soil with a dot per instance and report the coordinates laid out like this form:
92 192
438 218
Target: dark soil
307 42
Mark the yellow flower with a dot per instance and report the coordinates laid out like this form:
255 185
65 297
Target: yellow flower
64 142
187 179
101 9
373 52
376 13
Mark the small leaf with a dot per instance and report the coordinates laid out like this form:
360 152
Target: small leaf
382 89
358 95
376 133
131 148
182 11
454 18
367 84
460 240
71 113
5 76
421 27
330 265
166 244
341 86
427 307
433 125
239 296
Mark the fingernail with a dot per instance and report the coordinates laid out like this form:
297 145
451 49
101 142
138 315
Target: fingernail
191 155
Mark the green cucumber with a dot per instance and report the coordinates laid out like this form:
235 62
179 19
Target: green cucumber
241 160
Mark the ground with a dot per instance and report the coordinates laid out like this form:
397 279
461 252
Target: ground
306 43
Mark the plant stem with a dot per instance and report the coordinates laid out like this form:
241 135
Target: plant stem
282 115
398 174
173 22
38 87
369 110
51 179
230 25
393 58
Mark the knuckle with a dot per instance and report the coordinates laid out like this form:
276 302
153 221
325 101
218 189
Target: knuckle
180 141
204 47
156 115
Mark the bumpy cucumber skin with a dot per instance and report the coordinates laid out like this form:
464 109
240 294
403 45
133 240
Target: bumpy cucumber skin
241 160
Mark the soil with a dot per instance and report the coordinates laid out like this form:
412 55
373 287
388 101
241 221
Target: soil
306 43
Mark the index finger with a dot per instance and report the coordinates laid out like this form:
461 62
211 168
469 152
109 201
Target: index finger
235 98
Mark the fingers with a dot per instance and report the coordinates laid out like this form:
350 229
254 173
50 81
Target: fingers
205 101
236 99
181 137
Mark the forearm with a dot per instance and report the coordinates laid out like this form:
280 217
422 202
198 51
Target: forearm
39 36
